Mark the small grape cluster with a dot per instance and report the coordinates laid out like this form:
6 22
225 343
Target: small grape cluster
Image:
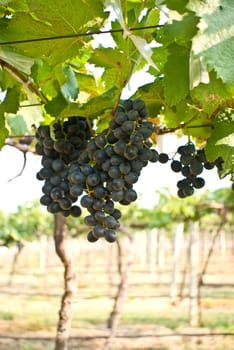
191 163
117 154
87 180
59 146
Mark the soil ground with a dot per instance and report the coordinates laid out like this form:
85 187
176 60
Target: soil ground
29 306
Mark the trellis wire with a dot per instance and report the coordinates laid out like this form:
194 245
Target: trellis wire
76 35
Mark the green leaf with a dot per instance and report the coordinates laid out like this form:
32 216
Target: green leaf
88 84
32 115
56 105
50 80
176 80
69 17
3 130
17 124
10 103
98 105
18 61
213 95
106 57
221 143
198 71
116 66
6 79
44 76
179 5
152 95
95 107
112 78
144 49
182 31
70 87
215 39
188 119
16 5
159 57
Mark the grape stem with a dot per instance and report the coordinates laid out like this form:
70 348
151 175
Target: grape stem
162 131
24 79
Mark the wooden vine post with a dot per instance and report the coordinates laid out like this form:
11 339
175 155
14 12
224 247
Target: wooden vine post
65 312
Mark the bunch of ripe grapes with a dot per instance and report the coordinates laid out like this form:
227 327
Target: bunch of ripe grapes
83 169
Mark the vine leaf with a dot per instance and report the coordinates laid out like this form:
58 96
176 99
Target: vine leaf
69 17
183 30
152 94
17 124
68 92
106 57
221 143
56 105
211 96
10 104
4 131
70 87
198 71
144 50
215 39
176 80
179 5
20 62
97 105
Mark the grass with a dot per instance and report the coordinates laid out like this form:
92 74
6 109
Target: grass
41 313
31 347
219 320
6 316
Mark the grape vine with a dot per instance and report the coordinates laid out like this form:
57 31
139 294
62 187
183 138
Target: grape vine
98 170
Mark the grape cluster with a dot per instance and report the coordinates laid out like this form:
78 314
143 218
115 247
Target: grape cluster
97 170
191 163
59 146
109 167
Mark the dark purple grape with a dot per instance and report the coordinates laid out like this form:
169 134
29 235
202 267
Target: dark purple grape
198 182
56 193
110 235
57 165
91 238
117 196
111 222
90 220
130 195
176 166
196 167
120 118
65 203
130 152
55 180
186 159
93 179
163 158
128 105
138 105
45 200
98 231
154 156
